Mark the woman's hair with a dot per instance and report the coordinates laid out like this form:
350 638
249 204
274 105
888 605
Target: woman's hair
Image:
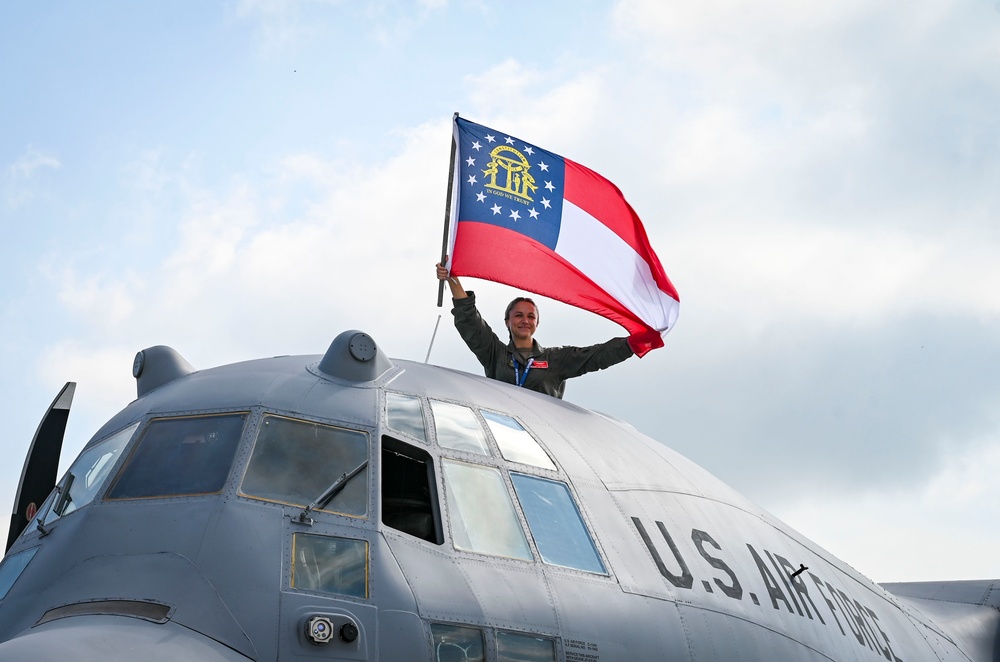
510 307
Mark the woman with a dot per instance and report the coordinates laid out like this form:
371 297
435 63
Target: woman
521 360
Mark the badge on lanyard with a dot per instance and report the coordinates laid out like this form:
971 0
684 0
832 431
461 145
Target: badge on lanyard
518 377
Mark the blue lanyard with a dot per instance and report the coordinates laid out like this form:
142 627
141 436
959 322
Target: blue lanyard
518 377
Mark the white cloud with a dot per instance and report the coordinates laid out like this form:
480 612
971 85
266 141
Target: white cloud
104 385
32 160
540 106
763 272
90 365
284 25
808 51
877 101
147 176
306 246
280 23
18 181
104 302
210 236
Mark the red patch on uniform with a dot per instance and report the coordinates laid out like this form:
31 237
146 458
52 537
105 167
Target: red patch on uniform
540 364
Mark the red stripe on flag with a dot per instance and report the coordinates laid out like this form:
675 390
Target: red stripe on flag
601 199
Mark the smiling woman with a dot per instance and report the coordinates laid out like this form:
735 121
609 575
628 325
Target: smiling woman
522 361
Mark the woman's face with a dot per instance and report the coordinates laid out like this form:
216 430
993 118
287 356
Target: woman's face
522 321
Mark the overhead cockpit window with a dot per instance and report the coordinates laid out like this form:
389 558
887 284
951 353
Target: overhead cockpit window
453 643
180 457
404 414
458 428
87 474
514 441
555 523
482 516
330 565
309 464
524 648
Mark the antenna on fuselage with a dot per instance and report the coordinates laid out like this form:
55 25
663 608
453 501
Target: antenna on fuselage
433 336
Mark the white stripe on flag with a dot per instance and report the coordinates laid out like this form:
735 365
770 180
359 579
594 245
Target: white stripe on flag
606 259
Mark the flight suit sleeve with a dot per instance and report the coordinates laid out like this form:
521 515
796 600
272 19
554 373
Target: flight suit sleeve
576 361
476 333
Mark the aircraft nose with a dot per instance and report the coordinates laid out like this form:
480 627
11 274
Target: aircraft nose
114 639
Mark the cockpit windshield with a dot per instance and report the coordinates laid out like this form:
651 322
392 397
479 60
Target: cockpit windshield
555 523
483 519
180 456
299 462
85 477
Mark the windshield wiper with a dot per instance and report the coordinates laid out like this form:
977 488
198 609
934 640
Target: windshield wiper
57 505
64 497
329 493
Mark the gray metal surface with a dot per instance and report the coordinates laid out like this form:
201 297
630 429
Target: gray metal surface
983 592
115 639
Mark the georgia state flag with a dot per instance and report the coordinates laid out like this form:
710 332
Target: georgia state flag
534 220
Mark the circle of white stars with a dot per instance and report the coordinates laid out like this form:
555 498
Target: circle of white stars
497 210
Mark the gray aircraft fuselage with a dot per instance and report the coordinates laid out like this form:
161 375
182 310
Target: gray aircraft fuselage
352 507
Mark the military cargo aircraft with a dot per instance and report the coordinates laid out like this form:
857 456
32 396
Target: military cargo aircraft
353 507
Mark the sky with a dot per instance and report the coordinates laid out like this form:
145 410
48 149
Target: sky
821 182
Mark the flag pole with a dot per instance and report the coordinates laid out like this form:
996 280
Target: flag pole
447 210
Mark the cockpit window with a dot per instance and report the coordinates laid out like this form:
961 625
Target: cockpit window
514 441
482 516
525 648
454 643
87 474
309 464
12 567
330 565
555 523
458 428
404 414
180 456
